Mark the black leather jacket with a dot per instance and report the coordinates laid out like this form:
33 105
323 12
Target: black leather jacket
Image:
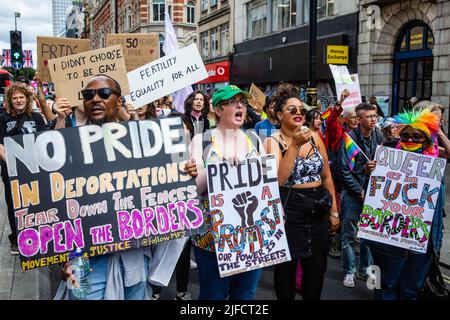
356 181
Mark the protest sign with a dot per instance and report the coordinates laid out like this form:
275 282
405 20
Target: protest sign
401 199
71 74
258 96
54 47
103 189
354 97
246 215
340 74
166 75
138 48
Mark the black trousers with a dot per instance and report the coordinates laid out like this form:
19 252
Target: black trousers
182 270
314 268
9 204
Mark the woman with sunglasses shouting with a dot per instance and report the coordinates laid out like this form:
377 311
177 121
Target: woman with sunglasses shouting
308 196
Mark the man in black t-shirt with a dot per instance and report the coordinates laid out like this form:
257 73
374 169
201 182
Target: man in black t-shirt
18 119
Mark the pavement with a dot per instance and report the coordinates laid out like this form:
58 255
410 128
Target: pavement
41 283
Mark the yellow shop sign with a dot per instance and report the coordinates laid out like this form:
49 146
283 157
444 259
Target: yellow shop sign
337 54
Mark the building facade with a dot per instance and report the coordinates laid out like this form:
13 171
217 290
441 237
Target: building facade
59 14
404 50
143 16
271 41
215 41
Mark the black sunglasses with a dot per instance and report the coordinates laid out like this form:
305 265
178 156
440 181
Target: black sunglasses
414 137
103 93
293 110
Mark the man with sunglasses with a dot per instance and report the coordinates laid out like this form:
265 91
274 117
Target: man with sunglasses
120 275
354 184
102 102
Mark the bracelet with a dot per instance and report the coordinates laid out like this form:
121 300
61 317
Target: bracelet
334 214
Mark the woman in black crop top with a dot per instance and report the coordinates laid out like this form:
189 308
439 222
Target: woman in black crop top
307 192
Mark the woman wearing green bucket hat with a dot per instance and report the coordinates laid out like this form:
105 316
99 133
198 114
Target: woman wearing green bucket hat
227 142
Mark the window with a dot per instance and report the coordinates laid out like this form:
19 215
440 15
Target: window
325 8
204 5
214 42
281 14
413 38
224 39
256 18
161 42
213 3
158 10
413 65
204 38
190 12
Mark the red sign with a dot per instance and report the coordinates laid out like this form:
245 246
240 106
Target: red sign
218 72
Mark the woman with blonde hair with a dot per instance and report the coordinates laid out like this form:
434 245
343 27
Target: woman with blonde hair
18 119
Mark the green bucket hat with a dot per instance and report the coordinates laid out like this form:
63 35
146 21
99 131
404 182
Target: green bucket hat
226 93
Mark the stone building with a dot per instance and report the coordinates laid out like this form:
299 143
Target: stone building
143 16
404 50
271 42
215 41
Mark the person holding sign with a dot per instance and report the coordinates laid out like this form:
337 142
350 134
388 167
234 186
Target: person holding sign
18 119
124 274
308 197
226 142
403 271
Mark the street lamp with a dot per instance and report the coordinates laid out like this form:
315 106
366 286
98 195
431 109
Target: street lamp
16 15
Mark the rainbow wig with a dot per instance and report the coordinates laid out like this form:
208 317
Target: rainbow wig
423 120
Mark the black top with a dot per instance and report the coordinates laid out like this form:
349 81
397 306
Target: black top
11 126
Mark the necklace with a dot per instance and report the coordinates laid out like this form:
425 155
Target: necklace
283 142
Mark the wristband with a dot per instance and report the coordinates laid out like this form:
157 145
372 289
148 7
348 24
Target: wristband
334 214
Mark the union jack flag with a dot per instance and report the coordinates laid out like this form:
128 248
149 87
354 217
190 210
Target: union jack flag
27 57
6 58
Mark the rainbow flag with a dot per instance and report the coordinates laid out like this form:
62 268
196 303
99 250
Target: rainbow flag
326 114
351 149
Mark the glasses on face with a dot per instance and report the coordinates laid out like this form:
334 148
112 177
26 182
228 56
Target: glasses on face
235 102
415 137
372 116
103 93
295 110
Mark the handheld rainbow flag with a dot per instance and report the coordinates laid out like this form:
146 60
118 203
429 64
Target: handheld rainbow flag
352 149
326 114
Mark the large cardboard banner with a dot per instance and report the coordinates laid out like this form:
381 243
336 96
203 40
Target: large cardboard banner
138 48
71 74
53 47
401 199
354 97
166 75
246 215
104 189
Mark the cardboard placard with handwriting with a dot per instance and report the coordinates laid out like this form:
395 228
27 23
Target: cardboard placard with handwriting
138 49
53 47
71 74
258 96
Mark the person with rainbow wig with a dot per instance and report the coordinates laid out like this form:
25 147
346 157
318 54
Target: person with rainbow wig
403 272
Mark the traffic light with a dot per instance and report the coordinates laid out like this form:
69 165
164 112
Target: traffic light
16 49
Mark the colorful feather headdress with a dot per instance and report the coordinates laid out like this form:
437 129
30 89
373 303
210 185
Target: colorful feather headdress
423 120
